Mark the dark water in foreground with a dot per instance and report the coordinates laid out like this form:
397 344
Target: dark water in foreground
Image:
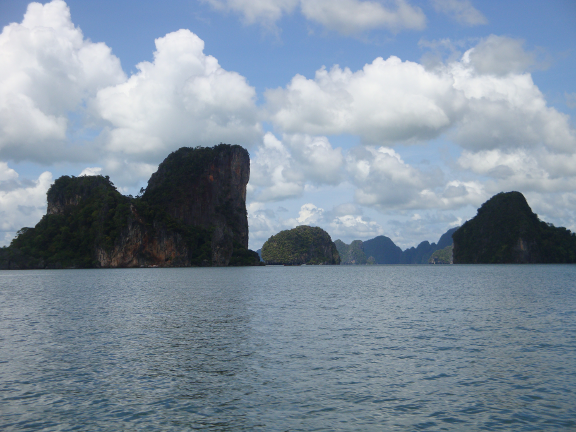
396 348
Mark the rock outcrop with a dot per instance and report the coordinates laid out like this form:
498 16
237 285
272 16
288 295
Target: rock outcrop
301 245
193 213
506 231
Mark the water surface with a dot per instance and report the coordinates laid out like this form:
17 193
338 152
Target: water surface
396 348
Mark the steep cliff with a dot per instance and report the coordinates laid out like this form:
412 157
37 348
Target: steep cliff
505 230
301 245
193 213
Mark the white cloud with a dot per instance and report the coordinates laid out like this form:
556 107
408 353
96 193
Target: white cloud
271 171
385 181
355 16
499 55
310 214
21 205
536 171
387 101
315 158
344 16
461 10
91 171
484 100
281 169
266 12
7 173
350 227
48 70
506 111
183 98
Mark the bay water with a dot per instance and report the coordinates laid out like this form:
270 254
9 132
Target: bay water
326 348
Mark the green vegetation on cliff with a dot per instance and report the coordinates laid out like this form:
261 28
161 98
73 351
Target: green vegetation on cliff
505 230
301 245
86 213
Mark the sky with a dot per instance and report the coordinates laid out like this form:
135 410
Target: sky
365 118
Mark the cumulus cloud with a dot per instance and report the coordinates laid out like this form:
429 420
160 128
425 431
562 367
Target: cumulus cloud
536 171
387 101
385 181
506 110
350 227
461 10
22 203
355 16
281 169
48 70
182 98
484 100
271 171
499 55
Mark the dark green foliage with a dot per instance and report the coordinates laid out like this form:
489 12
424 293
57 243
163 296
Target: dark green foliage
505 230
70 239
301 245
244 257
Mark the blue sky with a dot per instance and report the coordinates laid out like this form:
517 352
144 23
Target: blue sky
396 118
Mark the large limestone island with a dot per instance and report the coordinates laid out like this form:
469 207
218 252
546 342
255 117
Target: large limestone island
301 245
192 213
506 231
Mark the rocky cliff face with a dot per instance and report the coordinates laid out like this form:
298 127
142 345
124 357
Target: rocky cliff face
205 187
193 213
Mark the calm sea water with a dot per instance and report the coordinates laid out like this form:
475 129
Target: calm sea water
382 348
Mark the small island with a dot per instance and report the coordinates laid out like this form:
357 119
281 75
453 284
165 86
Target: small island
301 245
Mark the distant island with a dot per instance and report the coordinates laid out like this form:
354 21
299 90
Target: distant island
301 245
382 250
507 231
192 213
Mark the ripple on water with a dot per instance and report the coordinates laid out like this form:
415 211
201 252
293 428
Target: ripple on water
311 348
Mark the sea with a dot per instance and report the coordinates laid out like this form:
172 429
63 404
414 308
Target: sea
310 348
